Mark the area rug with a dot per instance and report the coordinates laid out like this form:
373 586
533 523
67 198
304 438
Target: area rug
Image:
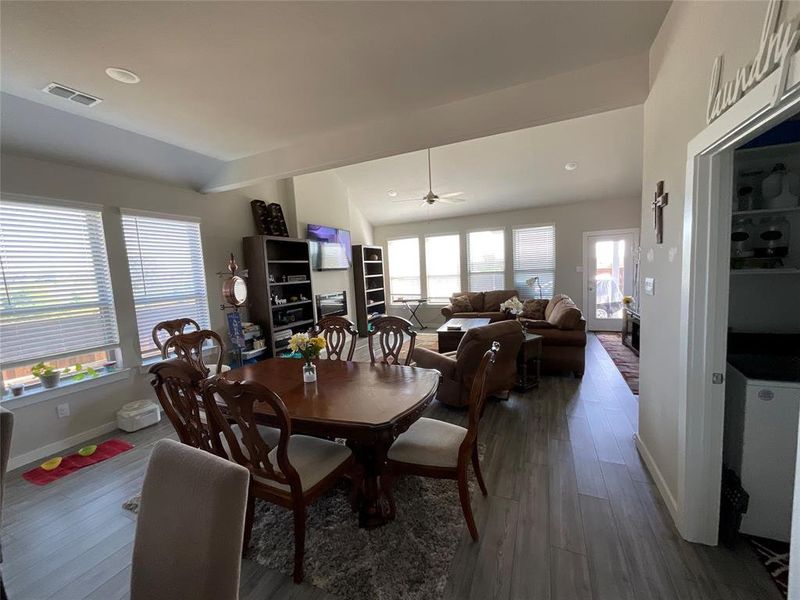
427 340
73 462
407 559
624 358
774 556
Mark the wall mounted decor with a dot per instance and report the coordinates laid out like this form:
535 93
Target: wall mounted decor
659 202
269 218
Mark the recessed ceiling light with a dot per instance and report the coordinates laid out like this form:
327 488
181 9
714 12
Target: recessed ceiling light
122 75
571 166
392 193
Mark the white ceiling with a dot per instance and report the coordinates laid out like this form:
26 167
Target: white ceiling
232 79
521 169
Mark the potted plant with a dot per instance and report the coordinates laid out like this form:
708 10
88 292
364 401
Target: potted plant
50 376
309 348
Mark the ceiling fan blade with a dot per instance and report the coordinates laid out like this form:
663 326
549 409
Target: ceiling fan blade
415 199
425 203
447 200
452 195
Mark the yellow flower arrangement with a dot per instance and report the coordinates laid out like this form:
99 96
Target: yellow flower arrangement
308 347
626 300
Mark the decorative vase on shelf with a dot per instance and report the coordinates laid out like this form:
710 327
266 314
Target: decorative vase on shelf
309 372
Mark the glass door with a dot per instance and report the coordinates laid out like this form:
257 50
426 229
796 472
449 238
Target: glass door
608 278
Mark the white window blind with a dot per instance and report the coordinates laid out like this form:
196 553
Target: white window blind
56 297
442 267
487 264
404 268
535 256
167 273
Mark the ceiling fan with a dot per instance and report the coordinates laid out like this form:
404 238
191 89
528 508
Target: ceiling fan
430 198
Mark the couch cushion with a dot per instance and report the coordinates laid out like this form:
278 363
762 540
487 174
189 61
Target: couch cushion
565 315
475 299
492 300
530 324
560 337
554 301
534 309
493 316
461 304
429 442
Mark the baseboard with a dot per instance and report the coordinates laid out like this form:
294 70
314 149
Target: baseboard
56 447
658 477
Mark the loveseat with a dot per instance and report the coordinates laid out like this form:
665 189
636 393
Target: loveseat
479 305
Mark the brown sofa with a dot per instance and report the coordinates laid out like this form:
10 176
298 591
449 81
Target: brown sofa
564 336
485 305
458 368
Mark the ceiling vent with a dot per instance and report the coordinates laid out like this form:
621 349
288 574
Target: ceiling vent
62 91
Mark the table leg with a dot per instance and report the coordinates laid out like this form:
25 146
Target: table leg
373 504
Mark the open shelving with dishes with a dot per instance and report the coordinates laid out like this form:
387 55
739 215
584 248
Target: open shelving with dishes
280 288
370 286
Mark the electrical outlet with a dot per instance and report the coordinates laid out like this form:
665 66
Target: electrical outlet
62 410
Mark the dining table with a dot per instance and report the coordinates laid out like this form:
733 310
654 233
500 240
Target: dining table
366 404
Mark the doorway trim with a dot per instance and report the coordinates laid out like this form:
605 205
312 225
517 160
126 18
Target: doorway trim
704 289
634 231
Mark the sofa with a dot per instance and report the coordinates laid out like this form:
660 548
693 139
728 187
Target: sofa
563 329
484 305
458 368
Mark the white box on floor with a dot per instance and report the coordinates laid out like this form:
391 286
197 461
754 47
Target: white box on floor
138 415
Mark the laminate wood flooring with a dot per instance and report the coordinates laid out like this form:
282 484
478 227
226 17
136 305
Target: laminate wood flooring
572 514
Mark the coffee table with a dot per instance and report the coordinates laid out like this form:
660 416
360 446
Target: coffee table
449 338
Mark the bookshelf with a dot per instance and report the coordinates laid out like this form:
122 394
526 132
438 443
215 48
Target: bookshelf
288 263
370 285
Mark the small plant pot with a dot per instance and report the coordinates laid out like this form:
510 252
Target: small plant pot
50 381
17 390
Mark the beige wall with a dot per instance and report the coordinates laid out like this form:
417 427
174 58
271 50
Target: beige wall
570 220
680 68
225 219
322 199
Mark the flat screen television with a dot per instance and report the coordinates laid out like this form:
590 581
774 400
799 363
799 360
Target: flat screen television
329 305
330 248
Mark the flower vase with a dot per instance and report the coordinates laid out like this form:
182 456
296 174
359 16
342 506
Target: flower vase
309 372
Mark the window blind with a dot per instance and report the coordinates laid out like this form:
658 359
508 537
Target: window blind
442 267
56 298
486 260
404 278
535 256
165 256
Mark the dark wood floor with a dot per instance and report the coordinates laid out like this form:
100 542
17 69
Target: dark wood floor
572 514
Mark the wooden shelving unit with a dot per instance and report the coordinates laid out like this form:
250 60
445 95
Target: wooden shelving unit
370 286
279 257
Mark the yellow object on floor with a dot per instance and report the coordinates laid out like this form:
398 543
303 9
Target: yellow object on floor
88 450
51 464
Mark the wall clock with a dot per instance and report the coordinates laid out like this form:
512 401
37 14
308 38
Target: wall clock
234 290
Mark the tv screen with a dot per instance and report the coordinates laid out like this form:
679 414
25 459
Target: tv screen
331 304
330 248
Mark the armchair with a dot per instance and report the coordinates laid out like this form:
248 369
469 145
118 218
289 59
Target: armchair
458 368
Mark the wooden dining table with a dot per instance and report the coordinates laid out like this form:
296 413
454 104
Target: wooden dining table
368 405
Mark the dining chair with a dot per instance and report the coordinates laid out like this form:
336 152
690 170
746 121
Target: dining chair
291 473
441 450
177 385
336 331
190 526
390 333
190 347
170 328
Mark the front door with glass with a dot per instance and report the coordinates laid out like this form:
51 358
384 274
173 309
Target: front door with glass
607 277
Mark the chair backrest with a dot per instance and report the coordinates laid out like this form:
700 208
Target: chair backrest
390 333
336 331
189 347
478 340
190 500
478 394
177 386
247 446
6 428
170 328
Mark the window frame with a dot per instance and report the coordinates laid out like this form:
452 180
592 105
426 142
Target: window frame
388 263
506 242
513 269
424 264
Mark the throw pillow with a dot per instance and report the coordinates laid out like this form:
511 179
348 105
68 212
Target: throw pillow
551 306
461 304
534 309
566 315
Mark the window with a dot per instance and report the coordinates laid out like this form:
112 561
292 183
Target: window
165 256
404 268
56 302
442 267
487 264
535 256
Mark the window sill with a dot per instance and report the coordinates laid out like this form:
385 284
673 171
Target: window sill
38 395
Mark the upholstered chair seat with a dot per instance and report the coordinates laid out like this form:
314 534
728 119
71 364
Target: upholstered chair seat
312 458
429 442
